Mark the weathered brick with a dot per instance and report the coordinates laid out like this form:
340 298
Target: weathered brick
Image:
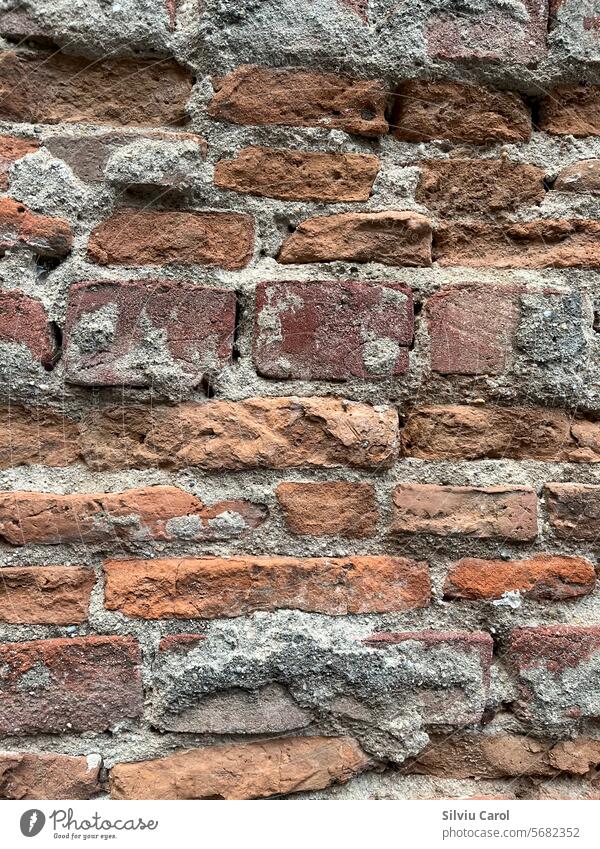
298 174
557 669
574 510
121 333
581 177
574 32
331 330
571 110
545 577
425 110
163 513
391 238
279 679
472 328
489 32
148 237
23 321
478 187
45 595
243 771
12 149
483 756
260 433
320 509
88 155
52 87
43 234
24 775
508 512
211 587
69 685
36 435
253 95
557 243
515 433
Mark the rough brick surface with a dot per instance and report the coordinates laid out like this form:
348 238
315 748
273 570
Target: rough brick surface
332 331
45 595
573 510
300 98
36 435
122 333
23 321
50 88
582 177
504 512
43 234
267 433
478 188
427 110
545 577
247 771
298 175
158 512
212 587
132 237
556 668
391 238
537 244
320 509
33 776
519 433
472 328
69 685
571 110
12 149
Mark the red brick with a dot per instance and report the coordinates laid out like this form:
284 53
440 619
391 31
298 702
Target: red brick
12 149
581 177
25 775
40 233
574 510
23 321
298 174
391 238
253 95
545 577
507 512
47 88
478 187
515 433
425 110
45 595
69 685
321 509
331 330
163 513
36 435
571 110
559 243
472 328
120 333
556 670
260 433
242 771
492 34
212 587
148 237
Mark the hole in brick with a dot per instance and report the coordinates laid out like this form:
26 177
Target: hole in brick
596 324
57 335
534 105
549 184
236 354
208 386
44 265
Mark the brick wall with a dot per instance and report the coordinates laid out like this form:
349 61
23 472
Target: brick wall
299 399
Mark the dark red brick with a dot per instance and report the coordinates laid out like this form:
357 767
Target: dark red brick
69 685
23 321
472 328
331 330
122 333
